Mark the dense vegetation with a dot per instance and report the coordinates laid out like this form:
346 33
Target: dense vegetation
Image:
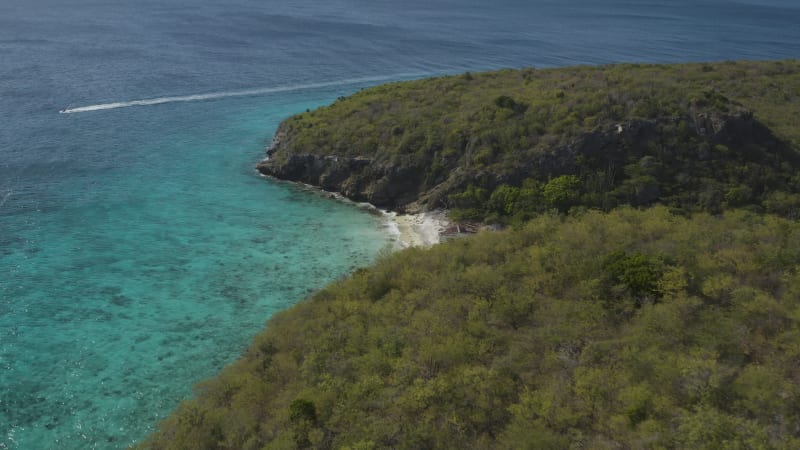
590 323
505 146
629 329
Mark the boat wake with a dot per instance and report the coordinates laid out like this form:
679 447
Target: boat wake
242 93
5 197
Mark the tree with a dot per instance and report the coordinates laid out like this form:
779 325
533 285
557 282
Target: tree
562 192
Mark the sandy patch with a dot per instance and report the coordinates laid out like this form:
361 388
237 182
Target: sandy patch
419 230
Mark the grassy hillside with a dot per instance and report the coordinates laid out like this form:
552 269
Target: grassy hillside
510 144
633 329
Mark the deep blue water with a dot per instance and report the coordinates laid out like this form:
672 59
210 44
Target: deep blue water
139 251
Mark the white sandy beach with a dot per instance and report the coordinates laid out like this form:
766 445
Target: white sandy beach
419 230
410 230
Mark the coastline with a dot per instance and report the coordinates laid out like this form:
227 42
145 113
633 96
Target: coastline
418 230
408 230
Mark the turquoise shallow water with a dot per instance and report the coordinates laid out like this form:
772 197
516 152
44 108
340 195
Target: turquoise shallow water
156 270
139 250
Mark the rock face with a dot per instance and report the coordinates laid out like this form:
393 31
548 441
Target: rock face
392 184
403 183
359 179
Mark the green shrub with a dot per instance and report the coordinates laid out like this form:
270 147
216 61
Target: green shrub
638 273
562 192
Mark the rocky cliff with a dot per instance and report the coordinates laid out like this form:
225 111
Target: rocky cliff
669 144
391 184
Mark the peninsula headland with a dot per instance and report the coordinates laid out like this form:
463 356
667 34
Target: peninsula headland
645 292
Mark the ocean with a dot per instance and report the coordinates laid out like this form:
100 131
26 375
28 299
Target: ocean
140 251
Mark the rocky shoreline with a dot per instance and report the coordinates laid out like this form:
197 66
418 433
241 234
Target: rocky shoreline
421 229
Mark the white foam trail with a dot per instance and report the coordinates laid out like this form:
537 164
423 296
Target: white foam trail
243 93
5 198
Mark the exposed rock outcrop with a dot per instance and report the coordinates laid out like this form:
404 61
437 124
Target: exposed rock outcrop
400 182
359 179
